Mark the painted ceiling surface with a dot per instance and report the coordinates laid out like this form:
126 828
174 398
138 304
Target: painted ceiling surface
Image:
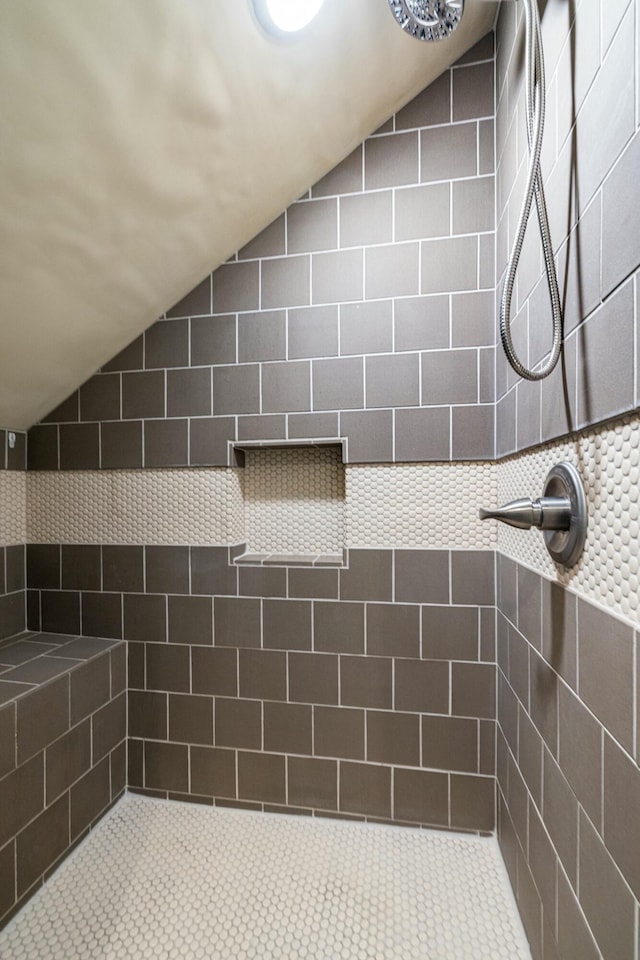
143 143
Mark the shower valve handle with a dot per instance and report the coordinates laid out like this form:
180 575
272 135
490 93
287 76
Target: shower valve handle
561 512
546 513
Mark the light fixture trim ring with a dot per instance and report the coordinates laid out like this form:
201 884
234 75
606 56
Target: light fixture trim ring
272 16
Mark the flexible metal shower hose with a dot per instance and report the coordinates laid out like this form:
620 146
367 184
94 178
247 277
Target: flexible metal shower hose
535 108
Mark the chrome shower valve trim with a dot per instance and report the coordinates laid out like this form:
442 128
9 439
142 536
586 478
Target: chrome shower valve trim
561 512
427 19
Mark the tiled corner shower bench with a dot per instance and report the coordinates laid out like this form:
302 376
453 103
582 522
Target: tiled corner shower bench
62 751
62 766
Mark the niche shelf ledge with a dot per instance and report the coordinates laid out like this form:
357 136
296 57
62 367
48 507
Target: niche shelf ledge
291 560
238 447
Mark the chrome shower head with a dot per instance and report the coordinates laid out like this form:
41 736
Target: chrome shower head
428 19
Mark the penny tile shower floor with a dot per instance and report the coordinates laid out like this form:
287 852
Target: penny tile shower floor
161 880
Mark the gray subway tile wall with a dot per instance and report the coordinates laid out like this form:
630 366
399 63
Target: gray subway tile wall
371 261
12 590
421 323
366 328
359 674
13 450
13 445
589 154
567 766
101 401
566 684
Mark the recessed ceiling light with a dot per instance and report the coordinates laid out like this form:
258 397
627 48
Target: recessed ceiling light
284 18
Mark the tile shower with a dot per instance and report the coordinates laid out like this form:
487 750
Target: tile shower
439 673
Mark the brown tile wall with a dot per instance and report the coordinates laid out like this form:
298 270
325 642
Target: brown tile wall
12 590
590 159
13 457
62 762
364 311
567 767
360 699
12 558
567 757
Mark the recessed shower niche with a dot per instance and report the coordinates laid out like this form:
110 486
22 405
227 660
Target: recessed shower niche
294 503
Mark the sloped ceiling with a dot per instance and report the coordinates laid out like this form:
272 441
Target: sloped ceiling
143 142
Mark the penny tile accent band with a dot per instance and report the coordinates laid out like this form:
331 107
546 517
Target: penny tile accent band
608 460
13 507
401 505
129 506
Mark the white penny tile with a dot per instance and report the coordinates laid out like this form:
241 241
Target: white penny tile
158 879
294 500
13 507
193 506
608 460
